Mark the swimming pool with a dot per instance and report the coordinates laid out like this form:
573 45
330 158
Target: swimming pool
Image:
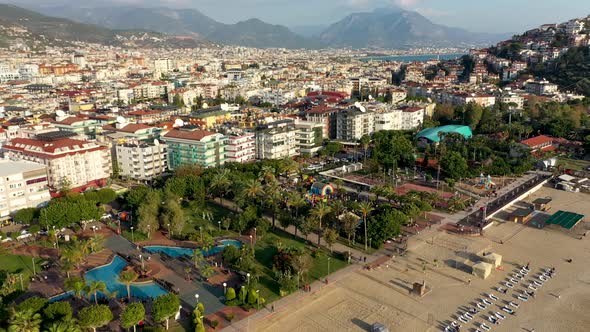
110 274
179 251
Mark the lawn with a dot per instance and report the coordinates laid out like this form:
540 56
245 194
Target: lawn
266 249
19 264
194 219
574 164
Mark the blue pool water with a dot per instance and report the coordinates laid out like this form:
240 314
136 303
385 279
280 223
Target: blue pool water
110 274
179 251
61 297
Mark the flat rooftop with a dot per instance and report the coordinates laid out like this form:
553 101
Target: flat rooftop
10 167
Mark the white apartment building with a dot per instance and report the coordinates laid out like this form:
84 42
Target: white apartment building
412 118
310 137
391 120
163 66
240 148
23 184
277 140
80 164
541 88
7 73
513 101
352 124
142 161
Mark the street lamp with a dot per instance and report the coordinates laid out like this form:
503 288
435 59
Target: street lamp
251 239
169 234
141 258
94 229
219 224
254 234
132 237
258 298
56 238
197 297
149 230
329 258
33 259
201 231
224 288
248 275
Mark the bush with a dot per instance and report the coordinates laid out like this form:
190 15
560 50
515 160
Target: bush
230 316
58 311
214 324
233 303
230 294
34 304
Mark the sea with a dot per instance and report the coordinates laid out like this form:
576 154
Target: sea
411 58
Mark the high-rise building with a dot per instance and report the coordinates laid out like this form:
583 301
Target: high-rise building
276 140
195 147
241 148
142 161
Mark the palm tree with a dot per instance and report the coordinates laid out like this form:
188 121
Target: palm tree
94 287
75 285
64 326
24 321
295 200
320 211
273 197
252 190
220 183
267 174
198 257
365 208
365 142
128 277
67 267
95 243
207 271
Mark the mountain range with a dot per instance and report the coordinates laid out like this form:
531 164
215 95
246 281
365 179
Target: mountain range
61 31
382 28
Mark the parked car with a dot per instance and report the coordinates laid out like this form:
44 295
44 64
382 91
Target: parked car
378 327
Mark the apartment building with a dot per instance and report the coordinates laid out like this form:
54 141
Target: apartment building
195 147
541 88
309 136
23 184
326 116
81 126
353 123
75 163
276 140
241 148
412 118
390 120
142 161
163 66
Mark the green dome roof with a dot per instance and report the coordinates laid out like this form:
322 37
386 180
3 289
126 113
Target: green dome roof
432 134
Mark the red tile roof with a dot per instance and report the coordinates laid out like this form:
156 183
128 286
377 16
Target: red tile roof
48 148
129 128
71 120
538 140
195 135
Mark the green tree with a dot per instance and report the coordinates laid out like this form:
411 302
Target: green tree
365 142
393 150
365 208
330 236
320 211
348 224
136 196
24 321
60 310
106 195
230 294
75 285
164 307
454 165
26 216
220 183
132 315
66 325
332 148
95 316
173 215
128 277
34 304
473 114
385 225
148 211
95 286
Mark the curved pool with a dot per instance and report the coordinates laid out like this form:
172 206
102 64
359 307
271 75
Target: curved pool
110 274
180 251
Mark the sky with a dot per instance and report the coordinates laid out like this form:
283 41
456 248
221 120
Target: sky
497 16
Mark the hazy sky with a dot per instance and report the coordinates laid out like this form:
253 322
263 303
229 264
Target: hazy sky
474 15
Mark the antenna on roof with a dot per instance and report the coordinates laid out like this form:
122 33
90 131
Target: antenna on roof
178 123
